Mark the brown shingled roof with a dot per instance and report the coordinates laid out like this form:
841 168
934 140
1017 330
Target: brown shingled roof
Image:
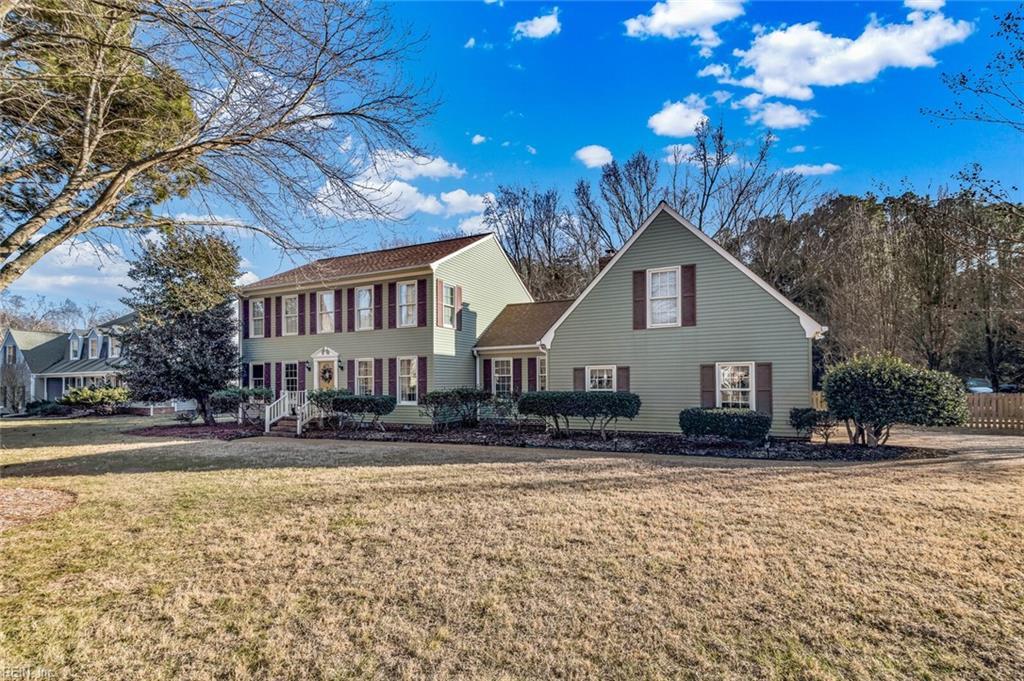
522 323
402 257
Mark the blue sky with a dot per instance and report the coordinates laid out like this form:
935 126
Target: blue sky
542 93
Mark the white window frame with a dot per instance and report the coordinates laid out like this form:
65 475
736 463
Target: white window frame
321 313
284 376
358 381
612 368
679 297
400 303
252 376
494 376
75 348
413 373
359 326
445 306
11 354
718 383
113 348
99 344
256 330
542 376
285 317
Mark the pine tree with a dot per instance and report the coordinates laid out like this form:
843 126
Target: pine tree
182 342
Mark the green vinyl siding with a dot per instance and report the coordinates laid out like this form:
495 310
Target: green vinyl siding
737 321
489 283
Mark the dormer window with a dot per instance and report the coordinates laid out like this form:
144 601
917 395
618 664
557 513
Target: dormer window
11 354
115 348
94 347
75 347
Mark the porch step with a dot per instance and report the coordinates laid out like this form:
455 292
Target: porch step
285 427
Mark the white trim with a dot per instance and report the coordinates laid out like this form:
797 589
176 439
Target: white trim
455 310
511 374
586 377
812 329
264 378
284 376
284 315
344 282
355 379
316 360
99 345
718 382
494 237
678 270
318 313
110 347
78 345
530 346
355 310
415 305
252 317
416 379
536 378
58 374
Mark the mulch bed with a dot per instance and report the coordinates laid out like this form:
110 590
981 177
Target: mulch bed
221 431
21 505
784 450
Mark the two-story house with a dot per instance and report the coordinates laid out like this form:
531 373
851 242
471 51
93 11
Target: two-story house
671 316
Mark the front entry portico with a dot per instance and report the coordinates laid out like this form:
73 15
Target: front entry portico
325 369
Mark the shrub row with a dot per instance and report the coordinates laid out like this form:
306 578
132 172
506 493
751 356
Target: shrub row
599 409
735 424
96 398
46 408
345 409
456 406
228 401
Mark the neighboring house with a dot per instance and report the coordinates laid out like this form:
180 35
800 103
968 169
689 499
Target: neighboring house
671 316
401 321
23 355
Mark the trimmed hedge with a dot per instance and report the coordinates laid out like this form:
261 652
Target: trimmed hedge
599 408
348 409
807 421
96 398
735 424
47 408
228 400
457 405
874 392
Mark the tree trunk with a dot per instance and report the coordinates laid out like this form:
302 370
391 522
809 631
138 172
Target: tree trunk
206 411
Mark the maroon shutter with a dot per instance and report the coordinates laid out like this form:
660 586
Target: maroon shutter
302 375
245 375
352 376
378 306
763 386
312 314
439 303
277 378
579 378
393 376
531 374
268 311
378 376
421 377
338 311
622 379
707 386
392 307
278 315
301 299
267 383
517 375
458 308
689 294
351 309
421 302
487 375
639 299
245 319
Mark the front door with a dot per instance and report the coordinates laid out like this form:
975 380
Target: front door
325 370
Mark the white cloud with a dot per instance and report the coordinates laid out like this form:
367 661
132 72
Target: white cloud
460 201
788 62
678 153
473 225
593 155
797 149
678 119
538 27
531 150
694 19
478 139
75 270
925 5
471 43
721 96
506 144
246 278
715 71
808 169
406 167
774 114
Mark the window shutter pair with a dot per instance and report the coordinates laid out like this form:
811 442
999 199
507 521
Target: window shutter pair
268 313
245 375
312 314
487 375
531 374
278 316
688 297
393 374
378 307
421 376
762 386
517 375
351 365
421 302
338 312
392 307
245 318
351 309
301 299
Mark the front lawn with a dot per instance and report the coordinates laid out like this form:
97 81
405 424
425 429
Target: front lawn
293 559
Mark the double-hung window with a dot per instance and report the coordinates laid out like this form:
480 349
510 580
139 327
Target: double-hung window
94 347
256 316
600 378
364 377
407 303
325 308
663 297
10 354
257 376
407 380
115 348
502 375
75 347
291 376
542 373
735 387
448 306
291 315
364 308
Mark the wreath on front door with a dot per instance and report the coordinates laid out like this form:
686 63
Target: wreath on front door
326 373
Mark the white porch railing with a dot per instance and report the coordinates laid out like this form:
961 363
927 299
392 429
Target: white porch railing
277 410
304 414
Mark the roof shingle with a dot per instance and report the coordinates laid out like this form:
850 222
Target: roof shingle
522 323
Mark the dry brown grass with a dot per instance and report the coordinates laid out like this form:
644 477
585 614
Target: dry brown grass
275 559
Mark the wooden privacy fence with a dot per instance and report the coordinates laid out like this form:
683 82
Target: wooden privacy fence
991 411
